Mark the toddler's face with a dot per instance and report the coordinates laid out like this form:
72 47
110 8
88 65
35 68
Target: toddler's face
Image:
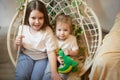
62 31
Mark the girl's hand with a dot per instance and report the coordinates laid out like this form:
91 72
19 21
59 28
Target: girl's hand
60 60
18 40
56 76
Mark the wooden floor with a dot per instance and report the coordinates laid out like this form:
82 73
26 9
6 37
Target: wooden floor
6 67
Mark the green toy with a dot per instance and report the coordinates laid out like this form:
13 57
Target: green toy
69 63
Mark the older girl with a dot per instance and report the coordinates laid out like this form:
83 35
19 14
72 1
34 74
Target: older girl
37 45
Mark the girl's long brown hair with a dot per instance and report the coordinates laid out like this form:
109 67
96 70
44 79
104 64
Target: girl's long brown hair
37 5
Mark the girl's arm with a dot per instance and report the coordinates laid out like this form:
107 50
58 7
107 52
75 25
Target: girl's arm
18 41
53 65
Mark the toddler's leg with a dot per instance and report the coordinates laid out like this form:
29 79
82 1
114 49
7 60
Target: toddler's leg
64 76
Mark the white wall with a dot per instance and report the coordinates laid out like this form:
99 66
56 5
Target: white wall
7 11
106 11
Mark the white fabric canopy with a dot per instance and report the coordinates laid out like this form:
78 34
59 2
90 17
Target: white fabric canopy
107 63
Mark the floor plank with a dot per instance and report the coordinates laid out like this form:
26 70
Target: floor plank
6 67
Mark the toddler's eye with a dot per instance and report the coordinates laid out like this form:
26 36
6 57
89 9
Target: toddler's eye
59 29
65 30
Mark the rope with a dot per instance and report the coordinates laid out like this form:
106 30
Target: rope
25 7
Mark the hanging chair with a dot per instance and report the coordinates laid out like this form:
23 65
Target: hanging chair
83 17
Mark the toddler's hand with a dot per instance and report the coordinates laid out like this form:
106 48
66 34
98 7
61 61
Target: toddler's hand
60 60
67 51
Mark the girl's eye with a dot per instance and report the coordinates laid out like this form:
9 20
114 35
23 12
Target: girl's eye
40 17
36 17
33 17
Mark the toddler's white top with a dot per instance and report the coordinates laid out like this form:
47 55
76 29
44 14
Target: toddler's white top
69 43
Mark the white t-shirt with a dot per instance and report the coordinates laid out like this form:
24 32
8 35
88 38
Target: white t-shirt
69 43
38 44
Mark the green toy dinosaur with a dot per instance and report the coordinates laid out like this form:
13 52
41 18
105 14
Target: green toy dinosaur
69 63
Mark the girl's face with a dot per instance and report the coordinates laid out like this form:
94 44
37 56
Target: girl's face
36 20
62 31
